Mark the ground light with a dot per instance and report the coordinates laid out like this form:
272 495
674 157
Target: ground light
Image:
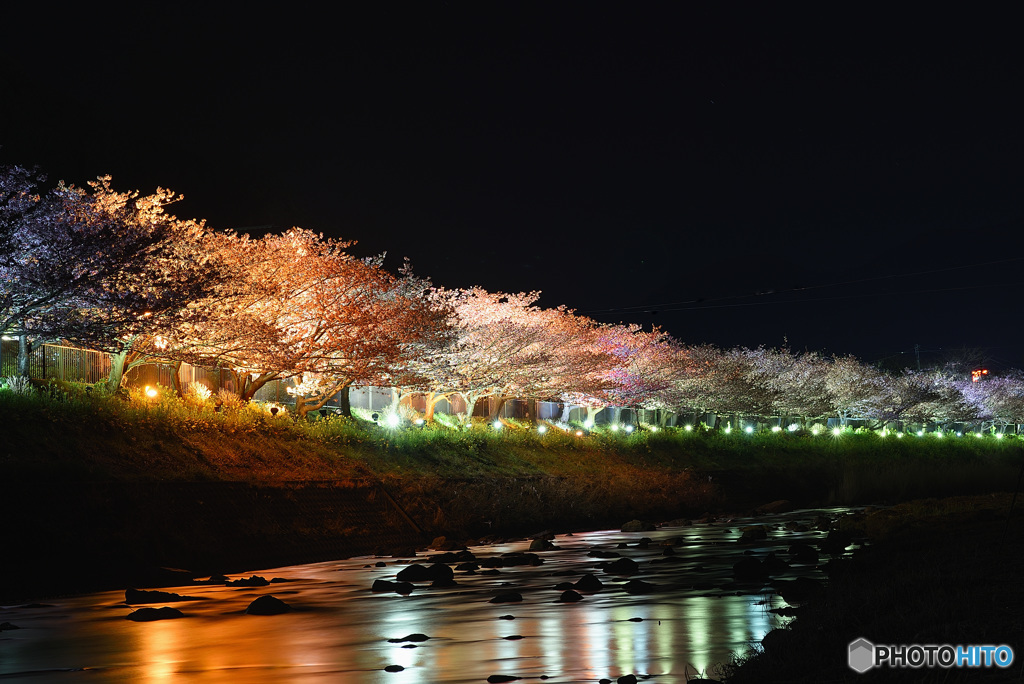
654 428
418 421
837 431
775 428
496 425
815 431
749 429
899 435
629 428
793 428
920 433
939 434
588 424
615 428
728 429
579 433
392 420
150 392
999 435
688 428
977 434
542 429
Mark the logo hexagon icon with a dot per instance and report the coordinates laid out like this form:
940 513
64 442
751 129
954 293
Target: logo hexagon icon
862 655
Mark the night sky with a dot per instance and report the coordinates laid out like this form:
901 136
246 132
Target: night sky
833 179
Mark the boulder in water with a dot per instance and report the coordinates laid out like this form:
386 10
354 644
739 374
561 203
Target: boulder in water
153 614
622 566
267 605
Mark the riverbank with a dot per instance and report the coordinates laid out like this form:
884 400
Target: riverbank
99 493
934 572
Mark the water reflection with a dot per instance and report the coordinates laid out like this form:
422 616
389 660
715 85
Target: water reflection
340 630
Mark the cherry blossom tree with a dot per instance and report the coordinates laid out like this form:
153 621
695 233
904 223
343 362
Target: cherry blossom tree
300 306
944 401
101 269
647 368
855 389
501 347
998 400
792 384
900 397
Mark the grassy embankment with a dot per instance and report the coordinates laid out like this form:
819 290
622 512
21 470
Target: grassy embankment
68 435
109 484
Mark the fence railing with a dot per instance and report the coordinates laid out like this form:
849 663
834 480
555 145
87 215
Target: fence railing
56 361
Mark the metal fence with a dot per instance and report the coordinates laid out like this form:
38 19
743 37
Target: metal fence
56 361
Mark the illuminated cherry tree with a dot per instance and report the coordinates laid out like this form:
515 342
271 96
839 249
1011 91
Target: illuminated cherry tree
996 400
854 388
100 269
644 370
790 384
501 347
300 306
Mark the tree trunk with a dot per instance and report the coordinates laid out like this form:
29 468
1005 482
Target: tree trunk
566 412
592 412
344 404
471 398
246 386
467 418
175 367
497 409
24 348
432 400
117 371
303 405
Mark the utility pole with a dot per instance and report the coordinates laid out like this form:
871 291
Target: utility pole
917 352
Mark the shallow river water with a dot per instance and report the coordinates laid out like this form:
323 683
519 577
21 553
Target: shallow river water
338 630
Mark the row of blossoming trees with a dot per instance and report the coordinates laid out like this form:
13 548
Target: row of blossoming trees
116 272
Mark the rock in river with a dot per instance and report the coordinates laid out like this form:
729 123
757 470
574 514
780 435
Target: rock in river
134 596
507 597
622 566
267 605
153 614
588 583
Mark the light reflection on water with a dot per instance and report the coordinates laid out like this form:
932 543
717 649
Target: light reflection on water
339 630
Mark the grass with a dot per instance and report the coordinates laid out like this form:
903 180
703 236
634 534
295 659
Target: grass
97 465
61 431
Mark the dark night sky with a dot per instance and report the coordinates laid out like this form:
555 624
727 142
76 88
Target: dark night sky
698 162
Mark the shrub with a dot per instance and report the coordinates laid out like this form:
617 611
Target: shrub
198 395
17 384
228 399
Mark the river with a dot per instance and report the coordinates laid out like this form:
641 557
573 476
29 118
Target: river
695 616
